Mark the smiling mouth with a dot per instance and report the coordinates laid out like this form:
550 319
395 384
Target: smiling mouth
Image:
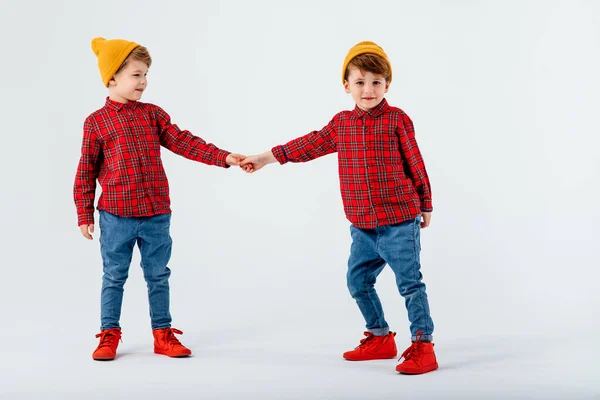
368 98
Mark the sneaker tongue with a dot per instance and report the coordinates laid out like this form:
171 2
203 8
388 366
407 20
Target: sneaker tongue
108 338
112 334
171 338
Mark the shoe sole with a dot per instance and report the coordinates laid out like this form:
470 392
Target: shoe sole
173 356
428 369
103 358
369 359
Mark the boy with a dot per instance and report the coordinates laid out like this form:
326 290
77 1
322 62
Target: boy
121 148
386 196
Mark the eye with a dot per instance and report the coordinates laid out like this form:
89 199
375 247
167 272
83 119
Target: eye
136 74
376 83
360 83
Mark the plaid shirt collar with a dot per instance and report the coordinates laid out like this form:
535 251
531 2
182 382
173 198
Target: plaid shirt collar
115 105
375 112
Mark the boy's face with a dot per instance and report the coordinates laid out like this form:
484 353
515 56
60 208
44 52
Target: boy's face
367 89
129 83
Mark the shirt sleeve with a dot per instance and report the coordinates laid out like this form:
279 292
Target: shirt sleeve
308 147
414 163
84 189
185 144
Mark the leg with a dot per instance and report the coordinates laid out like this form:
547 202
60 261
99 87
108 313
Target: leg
364 265
400 247
155 242
117 238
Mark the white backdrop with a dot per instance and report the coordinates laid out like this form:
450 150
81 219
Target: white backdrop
504 97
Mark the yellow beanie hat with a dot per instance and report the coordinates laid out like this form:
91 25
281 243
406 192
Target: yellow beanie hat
111 54
364 48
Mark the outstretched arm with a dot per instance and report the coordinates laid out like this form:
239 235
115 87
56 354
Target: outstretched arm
305 148
185 144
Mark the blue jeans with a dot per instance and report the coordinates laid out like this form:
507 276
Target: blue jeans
118 236
398 246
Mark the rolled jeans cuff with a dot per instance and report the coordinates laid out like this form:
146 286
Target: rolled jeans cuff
380 331
424 338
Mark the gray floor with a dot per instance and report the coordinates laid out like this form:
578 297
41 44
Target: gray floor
247 364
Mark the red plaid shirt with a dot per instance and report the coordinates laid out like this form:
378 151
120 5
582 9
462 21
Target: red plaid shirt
121 148
382 175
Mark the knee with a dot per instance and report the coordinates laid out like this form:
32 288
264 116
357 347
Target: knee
157 275
411 289
114 277
357 290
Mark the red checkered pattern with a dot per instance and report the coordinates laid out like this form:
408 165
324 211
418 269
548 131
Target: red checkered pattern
382 174
121 149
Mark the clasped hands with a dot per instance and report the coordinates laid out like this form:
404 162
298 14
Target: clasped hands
251 164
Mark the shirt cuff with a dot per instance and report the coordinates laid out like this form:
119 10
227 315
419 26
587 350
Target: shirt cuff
279 153
221 157
426 206
85 219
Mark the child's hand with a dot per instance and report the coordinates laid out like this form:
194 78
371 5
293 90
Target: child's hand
234 159
253 163
426 219
86 230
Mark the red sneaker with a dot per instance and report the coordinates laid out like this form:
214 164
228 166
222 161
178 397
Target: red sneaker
419 358
107 349
166 343
373 348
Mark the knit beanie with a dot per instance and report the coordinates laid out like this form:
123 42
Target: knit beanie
111 54
364 48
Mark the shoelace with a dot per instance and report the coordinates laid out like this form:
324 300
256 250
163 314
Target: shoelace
415 349
170 336
107 338
366 342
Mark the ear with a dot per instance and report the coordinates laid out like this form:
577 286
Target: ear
346 86
387 86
